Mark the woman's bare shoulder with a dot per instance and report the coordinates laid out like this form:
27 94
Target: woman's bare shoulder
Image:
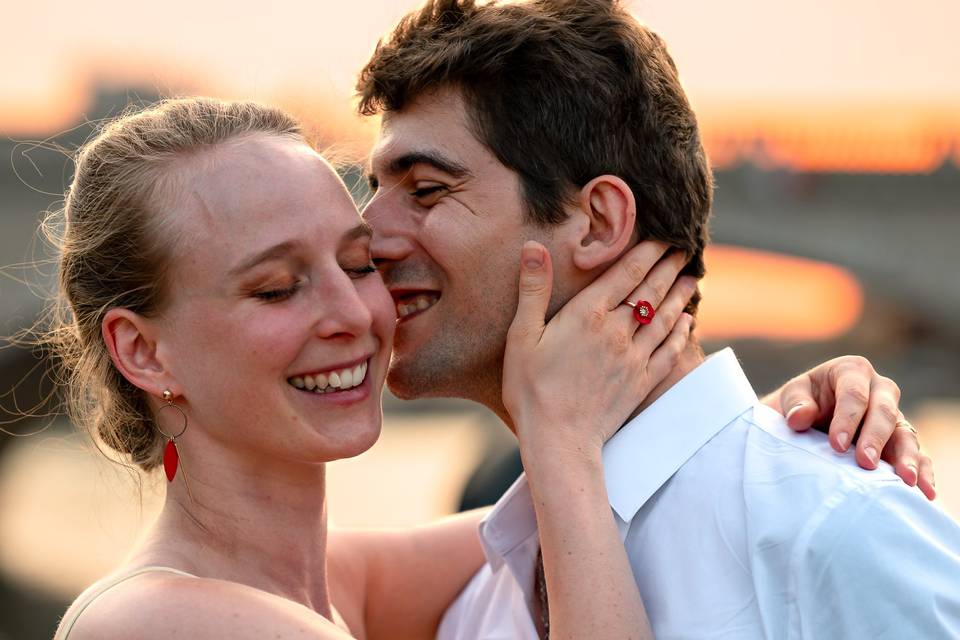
163 605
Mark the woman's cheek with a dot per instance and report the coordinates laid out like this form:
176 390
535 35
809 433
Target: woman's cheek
382 309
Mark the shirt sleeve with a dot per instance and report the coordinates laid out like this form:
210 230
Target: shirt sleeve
880 563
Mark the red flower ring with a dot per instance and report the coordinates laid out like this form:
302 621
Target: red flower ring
643 311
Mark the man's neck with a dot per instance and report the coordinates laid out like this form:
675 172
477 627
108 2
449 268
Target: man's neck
689 359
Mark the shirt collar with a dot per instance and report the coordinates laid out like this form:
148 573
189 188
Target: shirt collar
649 449
642 456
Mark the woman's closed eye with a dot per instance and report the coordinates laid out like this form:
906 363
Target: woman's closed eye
275 295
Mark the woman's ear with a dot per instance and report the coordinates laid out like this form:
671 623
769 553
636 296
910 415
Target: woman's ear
610 217
130 339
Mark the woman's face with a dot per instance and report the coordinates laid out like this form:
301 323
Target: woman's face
277 328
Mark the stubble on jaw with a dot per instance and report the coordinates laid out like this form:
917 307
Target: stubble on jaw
454 362
463 357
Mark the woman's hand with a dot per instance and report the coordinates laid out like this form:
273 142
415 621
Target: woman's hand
848 394
571 383
568 386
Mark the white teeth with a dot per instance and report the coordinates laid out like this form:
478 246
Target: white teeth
332 380
422 303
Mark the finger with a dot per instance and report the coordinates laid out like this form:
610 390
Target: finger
927 481
903 452
798 404
879 422
616 283
664 358
852 386
658 283
536 284
666 317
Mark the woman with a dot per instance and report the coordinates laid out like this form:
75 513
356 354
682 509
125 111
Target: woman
221 317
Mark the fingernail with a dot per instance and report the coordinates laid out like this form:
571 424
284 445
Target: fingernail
794 409
532 257
916 473
872 454
843 440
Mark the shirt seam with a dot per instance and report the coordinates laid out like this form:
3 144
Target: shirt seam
850 474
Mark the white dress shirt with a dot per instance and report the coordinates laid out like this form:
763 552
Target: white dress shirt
737 527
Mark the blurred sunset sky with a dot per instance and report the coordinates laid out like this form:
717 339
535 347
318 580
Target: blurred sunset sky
864 85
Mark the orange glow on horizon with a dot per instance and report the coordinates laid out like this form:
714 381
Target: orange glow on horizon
870 138
757 294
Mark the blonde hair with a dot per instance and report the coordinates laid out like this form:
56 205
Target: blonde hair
114 253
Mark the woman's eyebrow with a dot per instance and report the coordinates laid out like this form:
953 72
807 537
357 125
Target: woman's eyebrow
280 250
270 253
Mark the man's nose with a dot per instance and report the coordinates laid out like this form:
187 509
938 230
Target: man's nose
394 231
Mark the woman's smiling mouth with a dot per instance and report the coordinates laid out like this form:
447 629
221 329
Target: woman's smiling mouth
332 380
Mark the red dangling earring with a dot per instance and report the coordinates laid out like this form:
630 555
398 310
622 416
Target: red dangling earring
171 456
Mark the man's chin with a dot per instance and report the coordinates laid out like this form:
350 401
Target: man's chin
405 384
443 370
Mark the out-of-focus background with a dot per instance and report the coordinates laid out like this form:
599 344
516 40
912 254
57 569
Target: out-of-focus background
834 129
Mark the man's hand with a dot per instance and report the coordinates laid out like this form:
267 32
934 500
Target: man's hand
846 393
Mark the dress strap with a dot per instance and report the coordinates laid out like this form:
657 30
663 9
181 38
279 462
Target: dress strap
99 588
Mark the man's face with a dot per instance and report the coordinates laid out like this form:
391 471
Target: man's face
448 228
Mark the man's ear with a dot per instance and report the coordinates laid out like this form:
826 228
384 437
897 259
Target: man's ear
609 213
130 339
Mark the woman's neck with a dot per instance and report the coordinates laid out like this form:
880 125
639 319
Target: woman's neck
256 527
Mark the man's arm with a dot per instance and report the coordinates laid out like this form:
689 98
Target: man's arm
847 393
900 581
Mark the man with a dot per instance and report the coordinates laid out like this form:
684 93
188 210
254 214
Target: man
564 122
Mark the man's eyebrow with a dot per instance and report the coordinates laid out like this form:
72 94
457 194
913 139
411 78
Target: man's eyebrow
270 253
403 163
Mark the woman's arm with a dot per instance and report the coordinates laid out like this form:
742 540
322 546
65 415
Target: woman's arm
404 579
568 387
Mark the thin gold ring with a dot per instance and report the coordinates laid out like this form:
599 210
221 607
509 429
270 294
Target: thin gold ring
905 424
